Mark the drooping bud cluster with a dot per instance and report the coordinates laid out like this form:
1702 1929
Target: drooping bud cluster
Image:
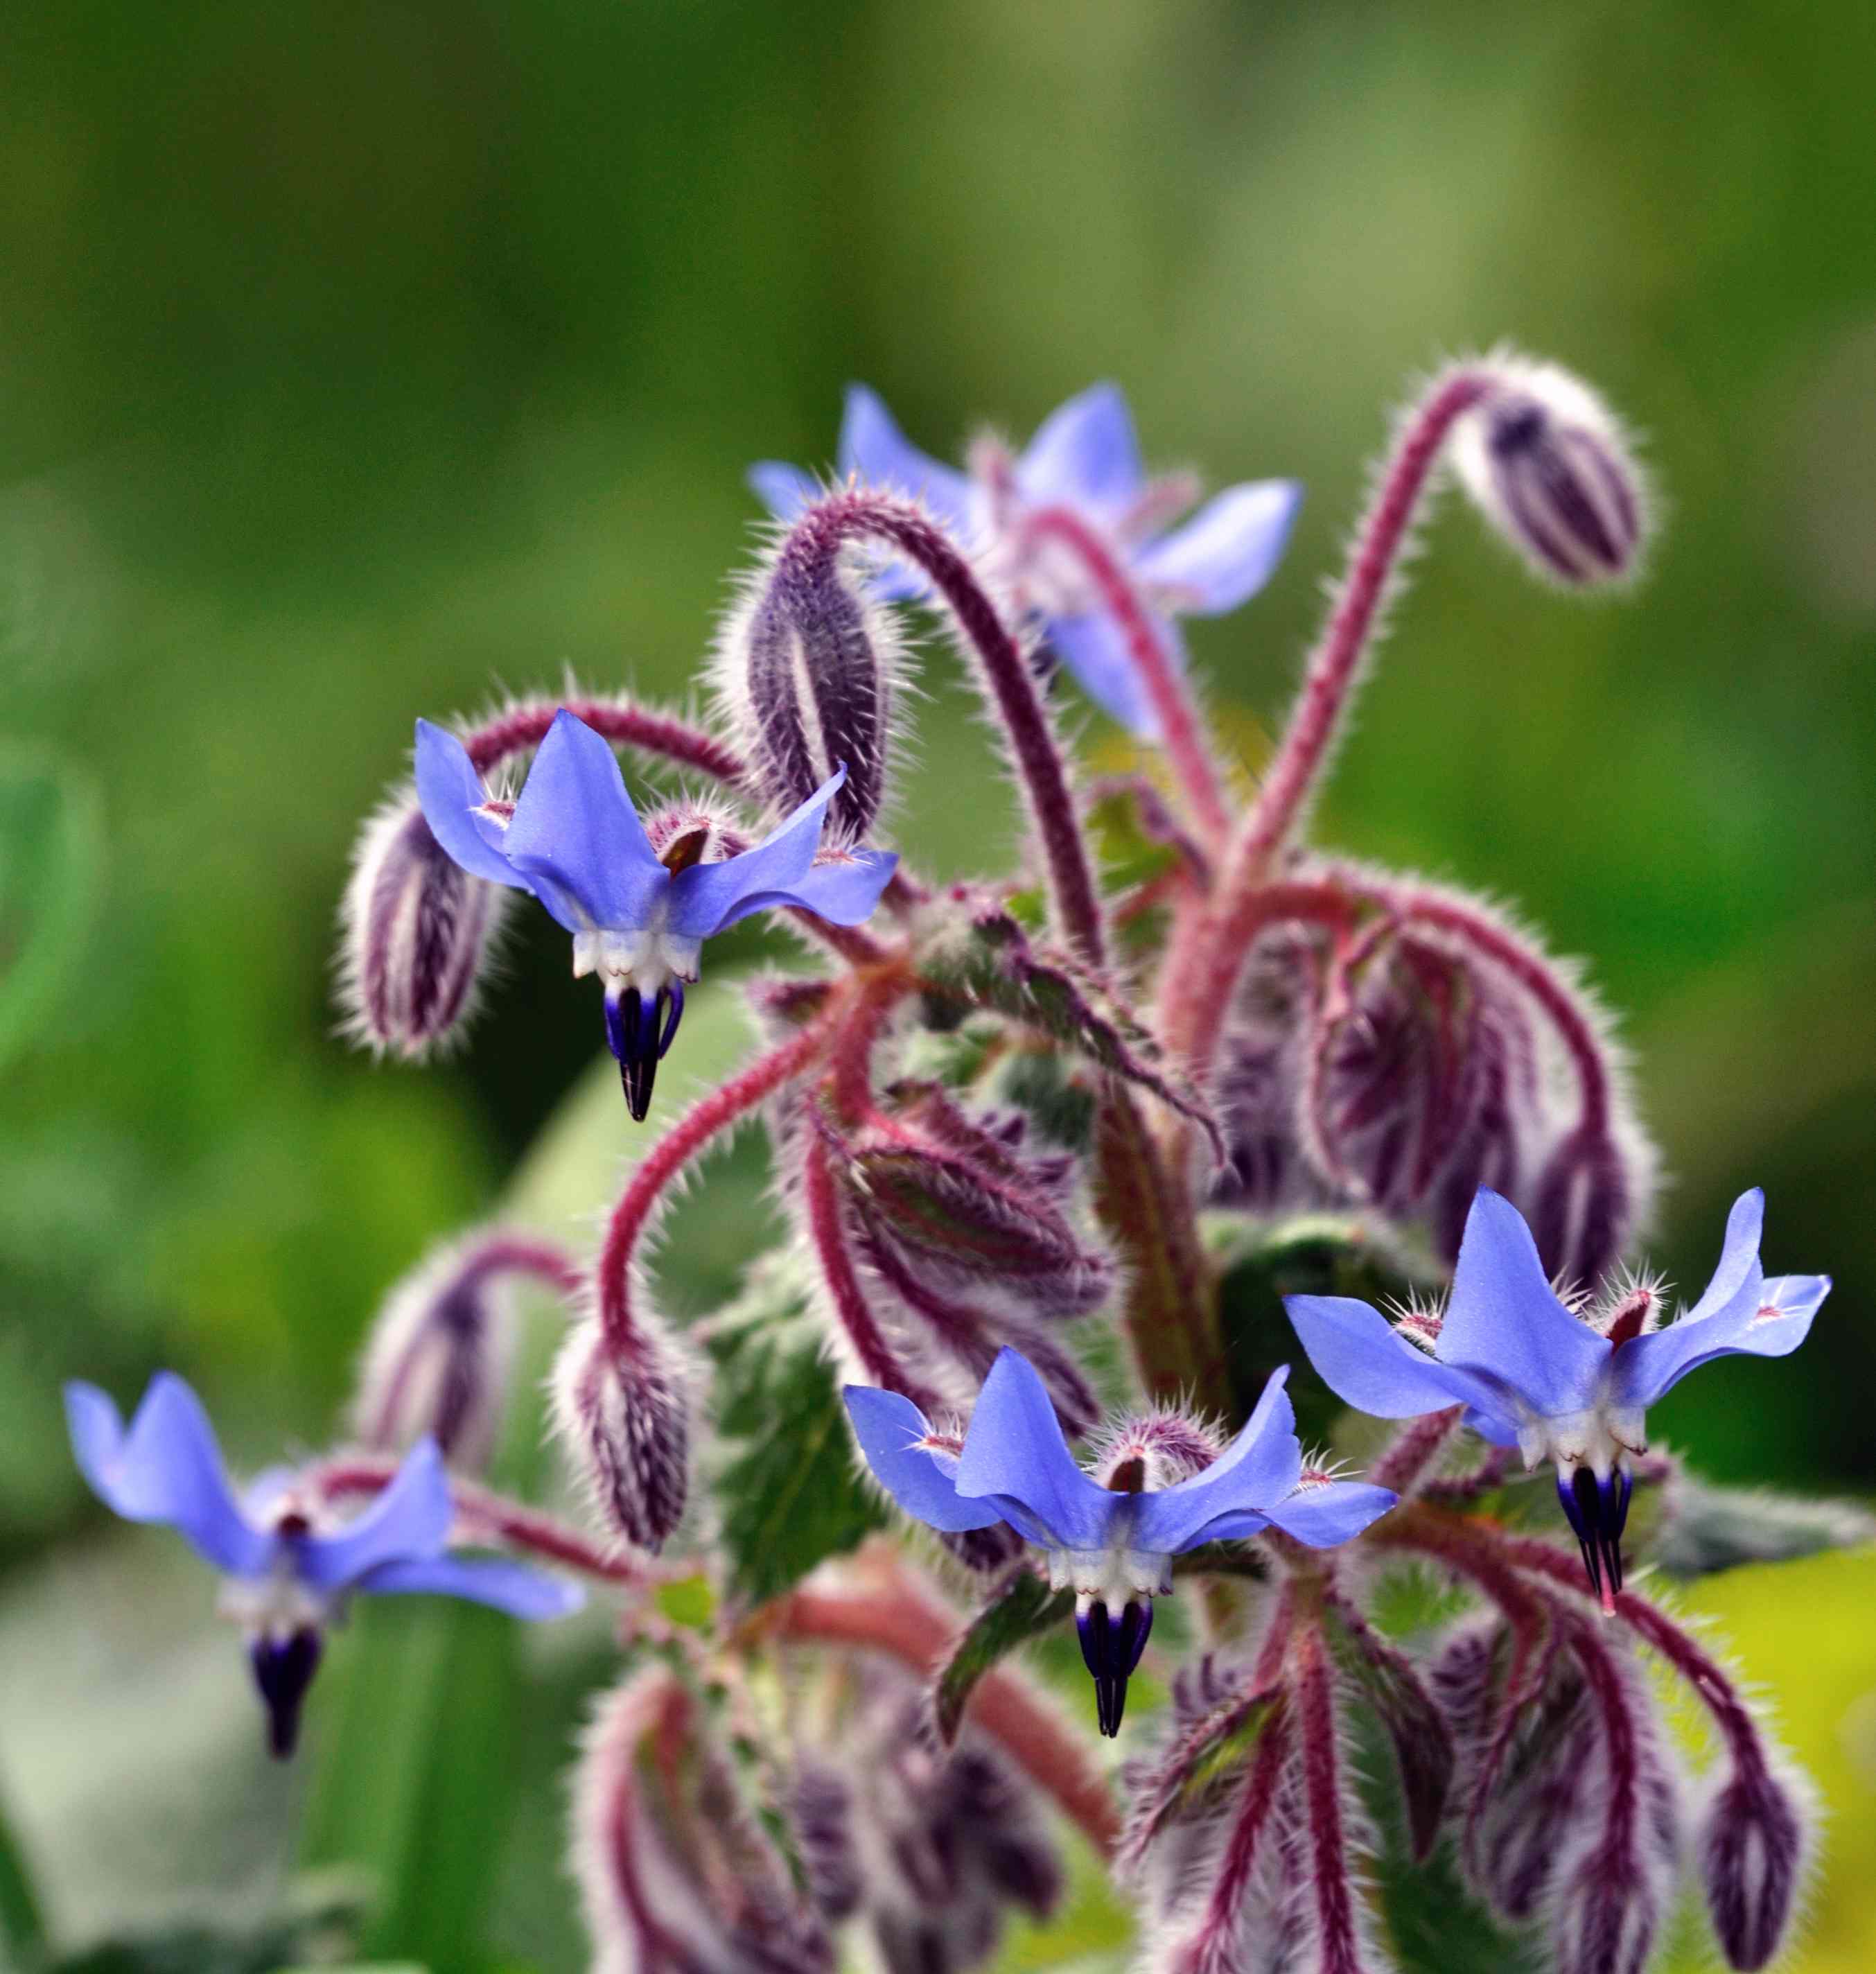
415 928
929 1848
625 1414
1752 1843
807 669
676 1872
1550 468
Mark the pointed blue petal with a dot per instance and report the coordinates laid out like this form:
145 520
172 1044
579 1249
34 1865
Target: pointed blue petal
784 490
1325 1515
1504 1320
872 447
889 1427
1735 1280
1368 1364
1227 552
576 837
1015 1450
496 1581
843 893
709 897
410 1519
166 1468
448 791
1260 1467
1085 454
1095 651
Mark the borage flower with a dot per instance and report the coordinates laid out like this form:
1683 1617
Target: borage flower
638 918
1083 464
1558 1384
291 1566
1161 1488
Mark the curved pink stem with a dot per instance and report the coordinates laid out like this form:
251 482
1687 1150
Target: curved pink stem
526 726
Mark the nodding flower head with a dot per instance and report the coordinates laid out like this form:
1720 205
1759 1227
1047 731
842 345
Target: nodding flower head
1557 1383
1113 1545
574 840
1079 478
1548 465
291 1566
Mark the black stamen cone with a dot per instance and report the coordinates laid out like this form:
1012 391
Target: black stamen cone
639 1033
1598 1512
282 1669
1111 1649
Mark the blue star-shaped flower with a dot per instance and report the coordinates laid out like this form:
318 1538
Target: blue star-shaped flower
1084 458
288 1576
1113 1545
574 840
1534 1374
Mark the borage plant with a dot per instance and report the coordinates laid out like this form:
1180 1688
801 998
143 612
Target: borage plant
1052 1151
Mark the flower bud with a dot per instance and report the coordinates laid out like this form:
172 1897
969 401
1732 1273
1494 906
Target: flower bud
1753 1847
1547 464
806 667
625 1417
676 1874
440 1354
414 927
1583 1207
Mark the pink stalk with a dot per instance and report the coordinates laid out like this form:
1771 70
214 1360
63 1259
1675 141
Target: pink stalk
1251 1825
1181 734
1042 767
1415 1449
716 1112
526 726
906 1624
1332 1881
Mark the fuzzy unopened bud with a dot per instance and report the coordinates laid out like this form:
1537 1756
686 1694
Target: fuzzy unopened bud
1753 1847
414 928
676 1874
807 665
1583 1206
624 1415
1548 464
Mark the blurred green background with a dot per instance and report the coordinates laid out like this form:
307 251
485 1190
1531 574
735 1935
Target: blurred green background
358 359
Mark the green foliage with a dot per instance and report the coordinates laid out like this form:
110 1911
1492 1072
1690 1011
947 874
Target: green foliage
51 875
317 1929
1705 1529
1021 1607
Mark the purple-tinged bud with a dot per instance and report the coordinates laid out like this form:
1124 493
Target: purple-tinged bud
986 1551
1583 1207
1548 464
675 1873
439 1356
414 927
1753 1844
807 665
1154 1450
625 1417
821 1811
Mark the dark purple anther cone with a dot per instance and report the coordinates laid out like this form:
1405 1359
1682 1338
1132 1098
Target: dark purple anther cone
282 1669
639 1033
1599 1511
1111 1650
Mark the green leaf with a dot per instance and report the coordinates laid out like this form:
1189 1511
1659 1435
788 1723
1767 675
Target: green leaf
1424 1751
22 1922
1021 1608
790 1491
317 1932
1706 1529
51 872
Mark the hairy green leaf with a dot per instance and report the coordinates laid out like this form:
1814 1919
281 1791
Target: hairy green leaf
1021 1608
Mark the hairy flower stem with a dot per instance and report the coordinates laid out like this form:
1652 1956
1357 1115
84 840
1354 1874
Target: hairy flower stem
1415 1449
526 726
1182 733
1041 766
716 1112
904 1622
1338 1933
1251 1822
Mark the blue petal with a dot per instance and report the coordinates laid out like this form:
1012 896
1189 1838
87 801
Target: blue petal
872 447
495 1580
1368 1364
410 1520
843 893
1726 1321
1015 1453
167 1468
889 1427
1324 1516
1260 1467
1504 1320
449 791
1095 649
576 837
784 490
1227 551
708 897
1085 454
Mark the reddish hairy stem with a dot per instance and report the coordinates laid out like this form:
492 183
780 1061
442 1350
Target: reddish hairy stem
1256 1805
912 1628
1041 765
526 726
1415 1449
1181 734
1338 1937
